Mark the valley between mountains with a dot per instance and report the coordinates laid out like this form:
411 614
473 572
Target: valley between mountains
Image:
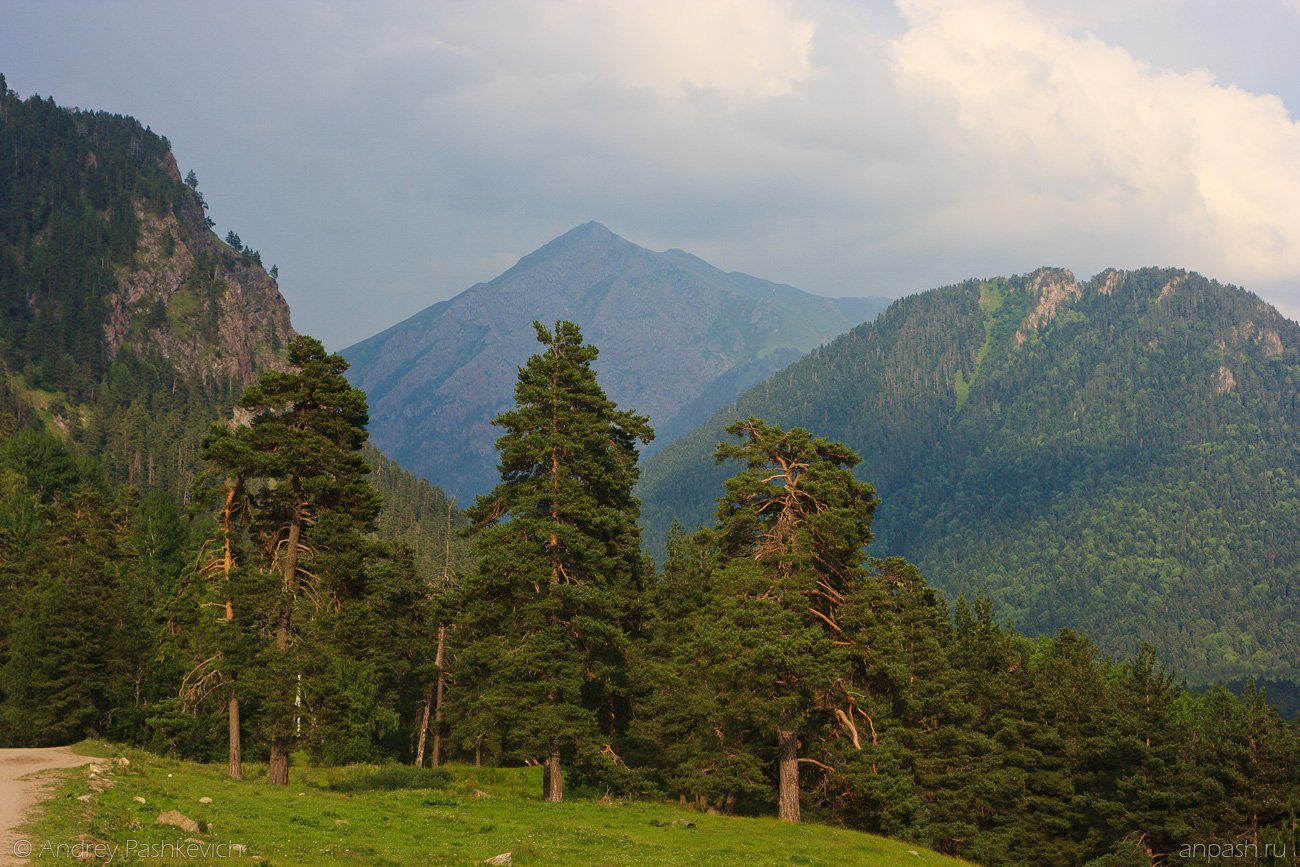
1008 570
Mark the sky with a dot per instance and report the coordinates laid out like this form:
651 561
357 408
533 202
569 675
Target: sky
387 155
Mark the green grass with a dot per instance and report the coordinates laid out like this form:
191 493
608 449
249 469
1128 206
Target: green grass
991 301
308 823
183 310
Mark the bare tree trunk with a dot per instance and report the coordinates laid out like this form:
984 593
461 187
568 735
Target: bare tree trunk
236 753
553 778
424 728
788 774
434 694
236 749
441 661
277 773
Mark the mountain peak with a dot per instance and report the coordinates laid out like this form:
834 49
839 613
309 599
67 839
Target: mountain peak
589 232
588 238
678 338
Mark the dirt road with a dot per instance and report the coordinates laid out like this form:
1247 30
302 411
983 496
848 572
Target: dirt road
19 793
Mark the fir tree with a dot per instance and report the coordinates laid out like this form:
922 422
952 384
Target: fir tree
556 590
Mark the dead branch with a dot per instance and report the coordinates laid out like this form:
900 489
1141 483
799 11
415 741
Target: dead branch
819 764
831 623
874 740
853 730
609 753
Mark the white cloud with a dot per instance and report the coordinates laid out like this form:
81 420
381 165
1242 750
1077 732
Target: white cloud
1063 133
740 48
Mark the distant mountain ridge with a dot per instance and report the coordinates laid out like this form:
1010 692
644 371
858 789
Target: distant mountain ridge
678 338
1120 456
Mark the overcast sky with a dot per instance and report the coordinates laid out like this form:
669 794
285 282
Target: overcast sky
388 155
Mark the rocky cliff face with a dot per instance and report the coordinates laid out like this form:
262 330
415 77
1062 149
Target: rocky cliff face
103 246
224 317
678 339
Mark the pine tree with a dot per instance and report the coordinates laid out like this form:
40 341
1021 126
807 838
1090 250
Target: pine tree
792 527
557 586
213 645
312 508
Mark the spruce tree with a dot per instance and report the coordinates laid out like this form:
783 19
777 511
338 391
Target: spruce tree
560 572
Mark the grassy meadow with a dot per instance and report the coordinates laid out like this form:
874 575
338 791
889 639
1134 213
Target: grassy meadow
477 813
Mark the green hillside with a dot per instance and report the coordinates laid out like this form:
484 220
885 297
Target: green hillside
1119 456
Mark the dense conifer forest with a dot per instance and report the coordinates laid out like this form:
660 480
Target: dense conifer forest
265 597
1119 456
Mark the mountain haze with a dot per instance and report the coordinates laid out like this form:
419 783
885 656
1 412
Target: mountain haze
678 338
1120 456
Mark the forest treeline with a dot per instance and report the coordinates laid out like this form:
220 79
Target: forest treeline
770 666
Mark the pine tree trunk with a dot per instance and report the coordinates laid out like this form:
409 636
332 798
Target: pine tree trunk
277 772
236 754
788 773
441 661
424 728
553 778
236 749
290 583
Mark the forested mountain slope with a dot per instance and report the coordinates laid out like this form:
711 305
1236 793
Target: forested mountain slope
125 324
1120 456
127 332
678 339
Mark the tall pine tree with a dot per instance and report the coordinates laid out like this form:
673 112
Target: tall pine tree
299 460
560 571
792 529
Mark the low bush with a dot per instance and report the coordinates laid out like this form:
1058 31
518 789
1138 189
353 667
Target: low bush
393 777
